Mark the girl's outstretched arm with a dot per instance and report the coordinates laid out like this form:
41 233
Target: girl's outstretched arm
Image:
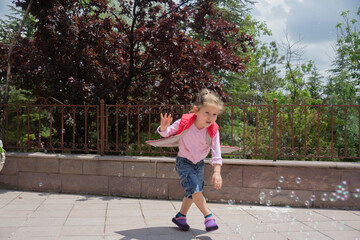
165 121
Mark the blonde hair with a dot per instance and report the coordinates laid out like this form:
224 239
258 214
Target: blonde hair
208 97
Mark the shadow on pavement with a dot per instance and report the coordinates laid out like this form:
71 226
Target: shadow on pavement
162 232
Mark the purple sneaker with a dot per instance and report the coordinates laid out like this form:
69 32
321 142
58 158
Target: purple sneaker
181 223
210 224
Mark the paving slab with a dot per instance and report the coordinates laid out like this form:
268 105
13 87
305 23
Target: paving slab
54 216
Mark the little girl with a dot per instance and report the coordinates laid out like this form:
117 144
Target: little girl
196 134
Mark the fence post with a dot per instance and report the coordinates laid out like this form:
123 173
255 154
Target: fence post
102 127
274 128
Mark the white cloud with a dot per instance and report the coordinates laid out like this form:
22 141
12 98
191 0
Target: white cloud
274 13
322 53
313 20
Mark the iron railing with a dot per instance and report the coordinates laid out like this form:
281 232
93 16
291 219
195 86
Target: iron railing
266 131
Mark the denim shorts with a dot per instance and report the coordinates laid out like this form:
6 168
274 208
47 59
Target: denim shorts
191 175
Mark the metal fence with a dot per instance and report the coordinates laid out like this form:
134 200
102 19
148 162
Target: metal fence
274 131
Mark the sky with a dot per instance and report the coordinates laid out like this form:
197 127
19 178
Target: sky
4 9
310 21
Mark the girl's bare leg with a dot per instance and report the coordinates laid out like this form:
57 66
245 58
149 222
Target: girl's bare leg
200 202
185 206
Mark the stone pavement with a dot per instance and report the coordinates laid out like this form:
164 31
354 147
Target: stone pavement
37 215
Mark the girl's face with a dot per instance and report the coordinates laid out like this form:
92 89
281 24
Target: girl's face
206 116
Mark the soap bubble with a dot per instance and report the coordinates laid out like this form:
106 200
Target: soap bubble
281 179
298 180
132 168
292 194
307 203
262 195
231 202
344 182
341 228
324 197
339 189
40 184
268 203
357 193
313 197
345 195
296 199
119 174
238 228
333 197
278 189
271 193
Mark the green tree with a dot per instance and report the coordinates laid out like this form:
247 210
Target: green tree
314 83
264 75
348 47
261 76
143 51
341 89
10 25
344 81
8 60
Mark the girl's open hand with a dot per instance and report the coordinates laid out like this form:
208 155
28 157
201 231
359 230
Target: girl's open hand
166 120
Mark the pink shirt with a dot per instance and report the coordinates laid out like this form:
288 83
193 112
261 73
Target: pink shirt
193 144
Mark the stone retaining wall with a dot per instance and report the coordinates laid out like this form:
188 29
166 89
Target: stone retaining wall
244 181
